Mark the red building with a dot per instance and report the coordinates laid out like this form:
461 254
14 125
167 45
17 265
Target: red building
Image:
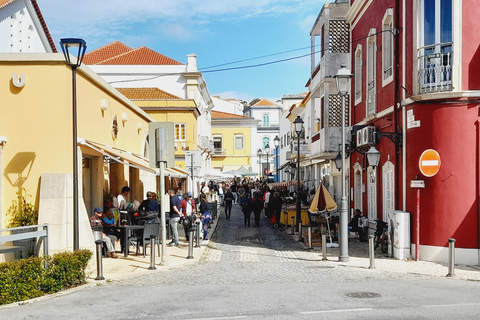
415 87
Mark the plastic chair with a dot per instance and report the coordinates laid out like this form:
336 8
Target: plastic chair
149 230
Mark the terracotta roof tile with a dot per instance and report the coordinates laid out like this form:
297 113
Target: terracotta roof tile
106 52
264 102
146 94
226 115
139 56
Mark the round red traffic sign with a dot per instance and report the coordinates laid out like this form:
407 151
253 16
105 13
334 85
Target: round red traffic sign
429 163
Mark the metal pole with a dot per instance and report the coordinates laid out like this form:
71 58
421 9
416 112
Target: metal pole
76 241
268 167
193 182
324 246
300 235
343 207
152 253
292 230
277 162
190 244
371 251
163 220
99 260
451 257
309 233
197 235
299 205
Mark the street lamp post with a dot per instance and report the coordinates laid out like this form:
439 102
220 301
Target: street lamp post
298 130
276 142
267 151
74 43
259 155
343 80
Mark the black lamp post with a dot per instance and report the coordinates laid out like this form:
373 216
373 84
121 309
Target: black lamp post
259 155
276 142
343 81
298 130
74 61
267 151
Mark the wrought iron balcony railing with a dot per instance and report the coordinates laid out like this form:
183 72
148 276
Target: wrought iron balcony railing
435 68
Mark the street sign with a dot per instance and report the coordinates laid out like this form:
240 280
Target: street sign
417 184
429 163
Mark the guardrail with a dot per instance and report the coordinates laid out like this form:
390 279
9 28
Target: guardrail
23 233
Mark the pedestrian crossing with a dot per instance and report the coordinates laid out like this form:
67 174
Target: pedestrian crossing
251 255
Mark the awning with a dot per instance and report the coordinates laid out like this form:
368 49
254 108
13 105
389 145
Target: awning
119 155
174 173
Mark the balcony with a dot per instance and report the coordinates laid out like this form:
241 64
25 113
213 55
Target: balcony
435 68
219 152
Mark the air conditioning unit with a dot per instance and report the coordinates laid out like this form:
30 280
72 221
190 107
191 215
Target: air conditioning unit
204 142
365 136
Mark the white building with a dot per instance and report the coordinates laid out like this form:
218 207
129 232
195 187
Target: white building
22 28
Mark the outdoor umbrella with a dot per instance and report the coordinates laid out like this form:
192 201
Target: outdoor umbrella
323 203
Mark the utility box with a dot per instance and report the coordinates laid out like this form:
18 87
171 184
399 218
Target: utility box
399 234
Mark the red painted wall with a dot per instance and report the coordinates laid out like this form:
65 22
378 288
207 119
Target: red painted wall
470 45
448 206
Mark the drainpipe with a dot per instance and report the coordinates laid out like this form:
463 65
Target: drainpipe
397 97
3 140
404 116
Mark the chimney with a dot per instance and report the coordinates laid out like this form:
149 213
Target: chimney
192 63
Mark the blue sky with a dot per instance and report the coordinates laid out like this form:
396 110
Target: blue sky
218 31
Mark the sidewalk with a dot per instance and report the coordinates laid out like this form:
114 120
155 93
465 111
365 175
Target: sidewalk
134 265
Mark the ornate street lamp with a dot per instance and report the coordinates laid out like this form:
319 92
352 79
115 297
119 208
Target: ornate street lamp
298 130
276 142
78 46
373 156
343 82
267 151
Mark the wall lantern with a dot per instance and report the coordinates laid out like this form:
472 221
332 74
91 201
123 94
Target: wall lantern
373 156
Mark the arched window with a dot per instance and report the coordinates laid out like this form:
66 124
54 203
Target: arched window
266 141
266 120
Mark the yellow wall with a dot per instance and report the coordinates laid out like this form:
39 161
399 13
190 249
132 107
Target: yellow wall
233 157
37 120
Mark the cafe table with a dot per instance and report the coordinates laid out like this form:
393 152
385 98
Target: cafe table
125 230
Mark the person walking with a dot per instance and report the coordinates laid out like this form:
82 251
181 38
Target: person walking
174 216
247 207
228 203
205 215
187 208
276 206
257 207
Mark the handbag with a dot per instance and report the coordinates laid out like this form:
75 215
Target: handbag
187 221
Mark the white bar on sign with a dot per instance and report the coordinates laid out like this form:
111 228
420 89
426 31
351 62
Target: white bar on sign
428 163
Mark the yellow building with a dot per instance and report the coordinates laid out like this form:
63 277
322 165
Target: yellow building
36 123
232 141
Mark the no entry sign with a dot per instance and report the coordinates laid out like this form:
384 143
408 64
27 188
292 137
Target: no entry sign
429 163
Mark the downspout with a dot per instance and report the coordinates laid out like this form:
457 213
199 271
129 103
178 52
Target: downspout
404 116
397 97
3 140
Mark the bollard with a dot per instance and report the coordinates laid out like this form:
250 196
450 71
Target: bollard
324 246
152 253
309 233
99 260
292 230
300 235
371 250
197 235
190 244
451 257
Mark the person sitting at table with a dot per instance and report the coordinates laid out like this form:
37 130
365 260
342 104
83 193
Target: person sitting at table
108 223
355 223
122 198
149 207
109 240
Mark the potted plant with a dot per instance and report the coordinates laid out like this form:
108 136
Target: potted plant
107 199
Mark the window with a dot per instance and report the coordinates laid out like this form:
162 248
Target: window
436 52
387 47
239 142
358 74
388 189
266 141
357 186
180 131
217 144
266 120
371 69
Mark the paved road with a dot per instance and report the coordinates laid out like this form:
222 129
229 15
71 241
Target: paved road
260 273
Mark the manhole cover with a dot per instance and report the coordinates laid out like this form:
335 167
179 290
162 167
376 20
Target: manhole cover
363 295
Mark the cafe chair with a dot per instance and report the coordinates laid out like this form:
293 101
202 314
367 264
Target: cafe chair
150 229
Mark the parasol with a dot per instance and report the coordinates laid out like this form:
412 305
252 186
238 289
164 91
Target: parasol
323 203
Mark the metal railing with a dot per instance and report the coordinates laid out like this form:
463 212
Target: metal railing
435 68
12 235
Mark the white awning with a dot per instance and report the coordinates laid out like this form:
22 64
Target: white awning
119 155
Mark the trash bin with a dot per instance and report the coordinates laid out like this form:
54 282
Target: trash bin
399 234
